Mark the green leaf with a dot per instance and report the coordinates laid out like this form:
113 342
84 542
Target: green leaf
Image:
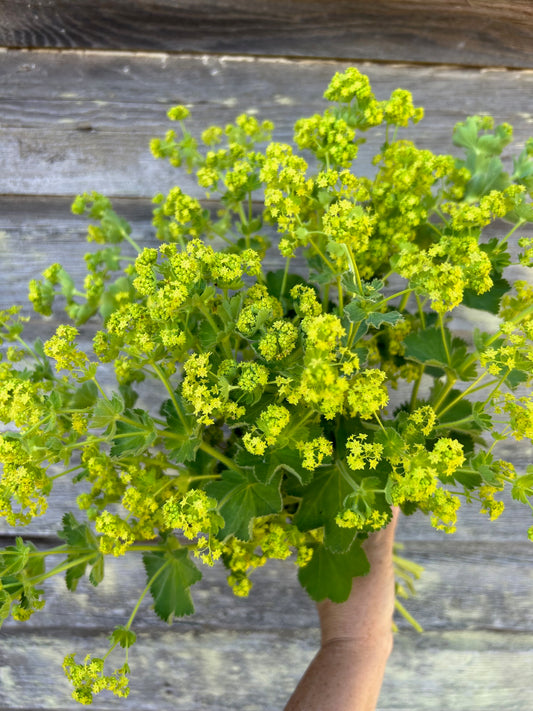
490 300
392 442
515 378
377 319
242 498
180 425
284 459
79 535
133 437
106 412
85 396
5 605
482 419
172 574
427 347
322 500
125 637
355 312
523 486
274 282
15 557
337 539
97 571
330 575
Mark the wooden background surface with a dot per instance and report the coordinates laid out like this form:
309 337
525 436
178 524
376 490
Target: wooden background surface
83 86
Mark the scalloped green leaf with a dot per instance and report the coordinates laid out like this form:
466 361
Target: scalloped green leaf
330 575
172 573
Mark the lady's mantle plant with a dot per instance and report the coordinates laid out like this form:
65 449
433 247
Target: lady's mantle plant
273 437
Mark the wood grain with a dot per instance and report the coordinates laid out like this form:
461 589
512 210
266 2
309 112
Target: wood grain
257 670
465 585
71 121
467 32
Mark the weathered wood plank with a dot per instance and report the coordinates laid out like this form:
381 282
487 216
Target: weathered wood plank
73 122
476 33
465 585
257 671
44 230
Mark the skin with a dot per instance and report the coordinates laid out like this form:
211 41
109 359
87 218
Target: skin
356 639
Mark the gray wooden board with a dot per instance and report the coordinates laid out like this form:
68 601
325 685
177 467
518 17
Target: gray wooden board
480 33
43 230
466 585
73 121
58 138
257 670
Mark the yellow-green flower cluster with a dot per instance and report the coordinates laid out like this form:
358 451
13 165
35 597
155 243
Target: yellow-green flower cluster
399 109
371 520
423 420
367 394
89 679
259 309
23 491
279 340
350 224
194 514
330 138
271 422
104 476
415 479
314 451
520 411
489 505
117 535
362 454
288 195
401 198
271 538
200 387
21 401
179 216
62 348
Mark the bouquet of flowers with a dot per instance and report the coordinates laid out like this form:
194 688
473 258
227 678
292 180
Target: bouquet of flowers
269 431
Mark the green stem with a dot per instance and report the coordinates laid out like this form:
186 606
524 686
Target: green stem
421 311
380 423
444 341
62 567
28 348
516 227
453 425
404 613
130 241
168 387
100 389
354 269
68 471
323 256
346 476
468 390
208 449
499 383
341 296
285 274
416 387
444 393
144 593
